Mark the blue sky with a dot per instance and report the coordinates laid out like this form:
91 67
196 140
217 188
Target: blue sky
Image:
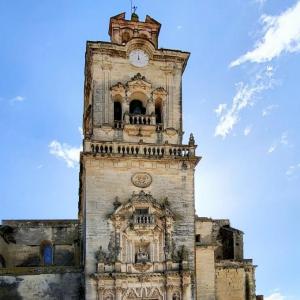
241 101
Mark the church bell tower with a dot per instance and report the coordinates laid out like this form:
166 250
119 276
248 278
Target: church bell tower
136 209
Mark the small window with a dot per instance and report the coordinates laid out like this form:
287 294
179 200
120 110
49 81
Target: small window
47 253
198 238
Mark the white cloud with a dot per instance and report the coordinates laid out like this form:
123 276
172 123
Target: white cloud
17 99
272 148
245 96
220 109
280 34
292 169
275 296
247 130
282 141
66 152
267 110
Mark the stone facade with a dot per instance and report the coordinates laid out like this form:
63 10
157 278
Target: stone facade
137 236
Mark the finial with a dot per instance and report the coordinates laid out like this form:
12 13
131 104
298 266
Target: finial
192 140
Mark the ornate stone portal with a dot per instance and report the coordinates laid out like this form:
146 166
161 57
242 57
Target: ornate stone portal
143 262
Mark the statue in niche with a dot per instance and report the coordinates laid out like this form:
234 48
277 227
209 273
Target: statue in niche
100 255
142 256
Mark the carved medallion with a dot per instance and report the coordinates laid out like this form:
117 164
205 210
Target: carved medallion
141 180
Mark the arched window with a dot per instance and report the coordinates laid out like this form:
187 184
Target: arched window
136 107
47 253
158 112
117 111
2 262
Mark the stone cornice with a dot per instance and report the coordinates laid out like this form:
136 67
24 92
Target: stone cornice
107 48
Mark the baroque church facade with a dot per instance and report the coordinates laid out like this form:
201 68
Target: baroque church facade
137 235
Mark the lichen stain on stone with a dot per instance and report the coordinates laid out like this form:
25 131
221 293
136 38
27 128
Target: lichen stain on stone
9 289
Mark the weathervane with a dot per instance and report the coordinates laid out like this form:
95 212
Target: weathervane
133 7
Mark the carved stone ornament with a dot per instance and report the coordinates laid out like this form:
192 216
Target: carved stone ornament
141 180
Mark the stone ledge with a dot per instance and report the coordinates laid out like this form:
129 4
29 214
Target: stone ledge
234 264
16 271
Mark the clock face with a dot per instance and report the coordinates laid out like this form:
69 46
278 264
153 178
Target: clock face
139 58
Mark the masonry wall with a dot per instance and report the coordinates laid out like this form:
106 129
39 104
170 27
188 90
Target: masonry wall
205 273
66 286
231 284
29 235
107 178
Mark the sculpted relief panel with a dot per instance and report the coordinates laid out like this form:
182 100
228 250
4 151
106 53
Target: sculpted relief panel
141 180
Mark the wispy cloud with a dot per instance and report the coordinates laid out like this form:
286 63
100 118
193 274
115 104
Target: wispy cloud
282 141
268 110
247 130
66 152
280 34
17 99
246 94
179 27
220 109
275 296
292 170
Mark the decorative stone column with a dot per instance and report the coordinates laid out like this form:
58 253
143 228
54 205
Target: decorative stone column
170 289
168 117
119 293
186 286
101 292
106 66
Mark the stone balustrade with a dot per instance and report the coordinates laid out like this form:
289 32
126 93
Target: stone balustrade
143 219
139 119
148 150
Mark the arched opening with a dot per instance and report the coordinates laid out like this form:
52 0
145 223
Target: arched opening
136 107
125 37
158 112
117 111
2 262
47 253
